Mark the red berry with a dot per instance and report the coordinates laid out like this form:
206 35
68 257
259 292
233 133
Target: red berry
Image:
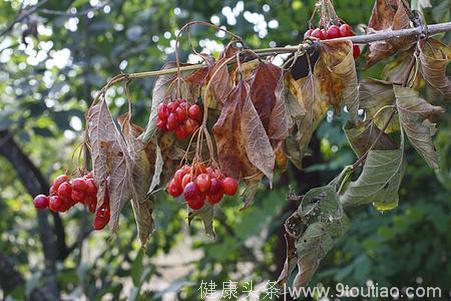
180 132
56 204
346 30
318 33
191 191
215 186
197 202
101 219
78 196
215 198
53 190
190 126
333 32
172 122
41 201
60 180
203 182
181 114
89 175
178 176
308 33
162 111
186 179
229 186
64 192
174 189
91 187
186 169
195 113
355 51
161 124
79 184
172 106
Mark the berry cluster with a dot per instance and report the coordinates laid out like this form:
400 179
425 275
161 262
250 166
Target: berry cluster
199 183
64 194
334 32
179 116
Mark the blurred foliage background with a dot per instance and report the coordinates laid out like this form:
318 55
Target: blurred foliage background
47 82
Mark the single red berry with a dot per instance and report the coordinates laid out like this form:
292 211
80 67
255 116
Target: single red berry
89 175
215 198
172 122
174 189
215 186
64 192
190 191
186 179
346 30
60 180
101 219
229 186
161 124
318 33
186 169
56 204
190 126
203 182
172 106
41 201
197 202
91 187
180 132
181 114
79 184
162 111
195 113
333 32
53 191
308 33
355 51
178 176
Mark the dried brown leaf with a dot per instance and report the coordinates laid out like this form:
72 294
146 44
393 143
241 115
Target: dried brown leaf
336 77
434 57
110 160
387 15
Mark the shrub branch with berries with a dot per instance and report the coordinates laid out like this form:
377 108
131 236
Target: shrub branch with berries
222 126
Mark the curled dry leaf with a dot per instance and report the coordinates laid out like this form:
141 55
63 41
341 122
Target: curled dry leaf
414 114
141 171
304 123
110 160
229 135
434 57
387 15
266 93
336 77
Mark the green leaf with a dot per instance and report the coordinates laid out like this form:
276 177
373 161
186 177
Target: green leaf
322 211
379 181
376 98
362 135
413 115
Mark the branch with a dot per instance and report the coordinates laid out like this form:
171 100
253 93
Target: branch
362 39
